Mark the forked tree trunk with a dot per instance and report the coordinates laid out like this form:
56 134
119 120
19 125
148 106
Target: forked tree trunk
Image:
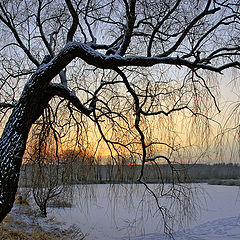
13 143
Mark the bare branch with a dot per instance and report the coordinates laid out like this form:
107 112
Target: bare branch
48 45
159 156
164 112
75 21
159 24
7 22
221 22
61 91
130 11
87 23
189 27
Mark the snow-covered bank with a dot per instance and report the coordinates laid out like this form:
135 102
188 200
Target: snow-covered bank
25 223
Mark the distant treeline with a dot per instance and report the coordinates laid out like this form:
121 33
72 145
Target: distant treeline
76 173
216 171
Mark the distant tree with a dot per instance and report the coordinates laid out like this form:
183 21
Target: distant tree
135 68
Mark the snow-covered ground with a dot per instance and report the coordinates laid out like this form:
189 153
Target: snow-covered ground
127 212
220 229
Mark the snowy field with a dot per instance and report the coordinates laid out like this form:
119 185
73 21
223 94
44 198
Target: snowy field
123 212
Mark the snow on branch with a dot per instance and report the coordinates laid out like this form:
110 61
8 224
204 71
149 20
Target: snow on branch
86 52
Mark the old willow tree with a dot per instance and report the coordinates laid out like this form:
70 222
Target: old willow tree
135 68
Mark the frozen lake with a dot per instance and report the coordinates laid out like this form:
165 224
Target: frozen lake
125 211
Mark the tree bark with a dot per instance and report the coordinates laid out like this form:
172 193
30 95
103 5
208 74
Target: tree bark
13 142
12 146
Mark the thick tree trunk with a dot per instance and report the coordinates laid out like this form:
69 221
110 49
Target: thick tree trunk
34 99
12 146
13 143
